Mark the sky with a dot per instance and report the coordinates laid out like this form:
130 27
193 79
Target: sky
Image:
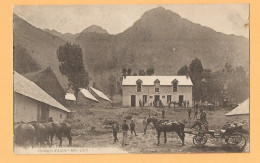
225 18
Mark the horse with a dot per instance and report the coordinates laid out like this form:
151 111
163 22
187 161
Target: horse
42 134
60 129
167 126
24 133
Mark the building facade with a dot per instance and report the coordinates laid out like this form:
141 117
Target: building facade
152 88
31 103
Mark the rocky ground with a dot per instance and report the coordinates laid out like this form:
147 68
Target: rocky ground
90 130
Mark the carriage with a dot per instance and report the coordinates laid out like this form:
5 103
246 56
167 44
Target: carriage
231 133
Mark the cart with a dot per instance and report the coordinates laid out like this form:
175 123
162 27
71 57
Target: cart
231 133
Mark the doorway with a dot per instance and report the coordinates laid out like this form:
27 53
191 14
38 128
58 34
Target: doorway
180 100
133 101
156 97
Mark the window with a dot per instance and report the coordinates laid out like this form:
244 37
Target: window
174 85
139 87
169 98
145 98
157 85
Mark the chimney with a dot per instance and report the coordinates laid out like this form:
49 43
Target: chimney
187 75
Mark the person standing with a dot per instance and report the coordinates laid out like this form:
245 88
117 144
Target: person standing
184 103
189 112
140 103
132 127
188 103
196 114
163 113
125 129
145 125
115 129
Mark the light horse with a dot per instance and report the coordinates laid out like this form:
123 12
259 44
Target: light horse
167 126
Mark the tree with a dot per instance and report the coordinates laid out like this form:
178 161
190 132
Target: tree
112 86
71 65
129 71
196 71
124 71
141 73
150 71
183 70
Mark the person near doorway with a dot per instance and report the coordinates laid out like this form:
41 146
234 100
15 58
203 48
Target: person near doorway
160 103
115 128
184 104
125 129
188 103
140 103
132 127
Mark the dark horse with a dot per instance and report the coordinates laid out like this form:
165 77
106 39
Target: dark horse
45 132
62 129
24 133
167 126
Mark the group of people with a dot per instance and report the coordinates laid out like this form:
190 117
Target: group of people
125 129
201 120
141 103
184 104
199 116
157 103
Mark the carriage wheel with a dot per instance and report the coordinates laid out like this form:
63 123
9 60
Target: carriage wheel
236 141
199 140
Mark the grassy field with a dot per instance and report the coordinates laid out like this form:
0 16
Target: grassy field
90 130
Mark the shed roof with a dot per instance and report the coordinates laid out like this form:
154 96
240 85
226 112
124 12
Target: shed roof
241 109
100 94
87 94
164 80
70 96
28 88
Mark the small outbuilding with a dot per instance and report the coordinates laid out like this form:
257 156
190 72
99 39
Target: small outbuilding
31 103
102 98
241 113
85 97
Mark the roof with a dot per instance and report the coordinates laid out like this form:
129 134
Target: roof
87 94
28 88
70 96
241 109
164 80
100 94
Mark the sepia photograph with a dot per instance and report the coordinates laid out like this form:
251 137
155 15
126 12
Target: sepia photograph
131 79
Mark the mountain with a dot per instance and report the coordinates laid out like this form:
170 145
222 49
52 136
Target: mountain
160 39
65 36
94 29
39 46
165 41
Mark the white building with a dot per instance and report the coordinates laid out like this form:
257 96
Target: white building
31 103
150 88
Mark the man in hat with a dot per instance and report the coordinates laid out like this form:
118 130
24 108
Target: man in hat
132 127
125 129
115 129
201 121
145 125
